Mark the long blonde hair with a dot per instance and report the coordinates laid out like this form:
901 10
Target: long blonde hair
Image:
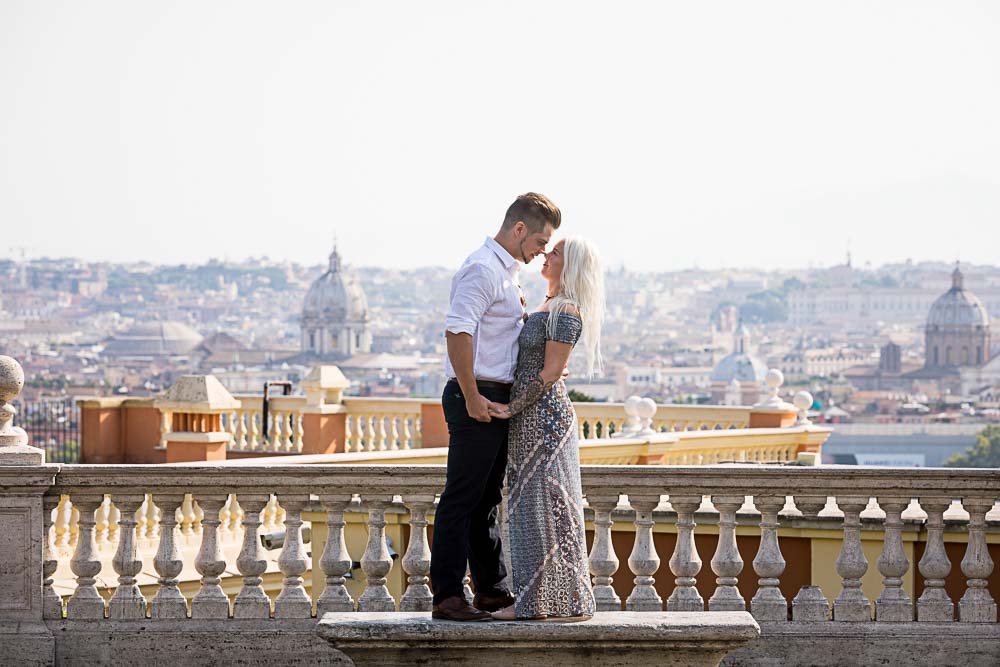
582 285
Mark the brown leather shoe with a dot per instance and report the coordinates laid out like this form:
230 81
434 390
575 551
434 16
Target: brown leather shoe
492 602
457 609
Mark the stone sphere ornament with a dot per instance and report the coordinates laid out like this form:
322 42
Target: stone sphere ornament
802 401
11 379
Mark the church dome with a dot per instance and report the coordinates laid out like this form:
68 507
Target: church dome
740 365
335 296
156 338
958 307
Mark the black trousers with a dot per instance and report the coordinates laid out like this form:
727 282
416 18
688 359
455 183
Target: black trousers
466 527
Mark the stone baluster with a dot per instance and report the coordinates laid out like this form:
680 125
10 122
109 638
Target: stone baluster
335 561
52 607
128 601
417 560
211 600
851 604
371 434
199 515
102 522
685 562
394 433
63 516
407 441
293 601
768 604
934 605
186 516
644 561
251 601
240 433
165 419
253 431
383 435
86 601
893 604
270 514
376 562
727 562
74 525
114 516
299 433
467 585
976 605
275 437
168 601
225 519
284 419
603 560
809 604
349 429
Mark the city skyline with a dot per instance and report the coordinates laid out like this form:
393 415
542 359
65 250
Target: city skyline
674 135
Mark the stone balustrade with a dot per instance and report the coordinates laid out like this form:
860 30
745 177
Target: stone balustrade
216 425
127 504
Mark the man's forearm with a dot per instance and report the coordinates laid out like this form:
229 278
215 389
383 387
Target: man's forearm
460 355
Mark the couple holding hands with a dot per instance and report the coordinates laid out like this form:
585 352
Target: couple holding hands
509 416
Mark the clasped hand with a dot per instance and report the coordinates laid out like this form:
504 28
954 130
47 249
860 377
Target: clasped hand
499 410
482 409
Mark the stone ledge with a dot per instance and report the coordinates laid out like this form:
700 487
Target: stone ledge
191 642
833 644
610 638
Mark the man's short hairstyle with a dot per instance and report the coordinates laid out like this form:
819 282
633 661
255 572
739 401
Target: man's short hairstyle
535 211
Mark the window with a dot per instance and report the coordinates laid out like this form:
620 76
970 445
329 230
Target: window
312 340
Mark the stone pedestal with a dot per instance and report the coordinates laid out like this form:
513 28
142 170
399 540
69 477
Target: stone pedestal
324 429
188 447
24 479
609 639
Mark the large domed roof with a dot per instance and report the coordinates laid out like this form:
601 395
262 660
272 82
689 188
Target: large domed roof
335 295
153 339
740 365
958 307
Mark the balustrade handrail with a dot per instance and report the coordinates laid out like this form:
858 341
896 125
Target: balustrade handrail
747 479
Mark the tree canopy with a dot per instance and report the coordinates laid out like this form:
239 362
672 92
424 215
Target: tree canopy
985 453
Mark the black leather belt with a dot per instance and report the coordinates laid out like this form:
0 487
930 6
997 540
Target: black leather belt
490 384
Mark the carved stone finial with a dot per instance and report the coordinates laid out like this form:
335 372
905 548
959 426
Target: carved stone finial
14 448
774 380
633 423
803 400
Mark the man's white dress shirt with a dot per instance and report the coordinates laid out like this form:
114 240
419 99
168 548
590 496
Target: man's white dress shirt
486 303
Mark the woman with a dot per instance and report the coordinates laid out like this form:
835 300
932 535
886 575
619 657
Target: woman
548 549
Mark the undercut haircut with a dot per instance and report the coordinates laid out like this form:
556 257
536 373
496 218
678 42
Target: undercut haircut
535 211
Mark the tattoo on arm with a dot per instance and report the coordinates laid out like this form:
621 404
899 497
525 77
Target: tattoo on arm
531 393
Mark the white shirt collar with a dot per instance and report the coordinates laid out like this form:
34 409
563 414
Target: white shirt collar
505 257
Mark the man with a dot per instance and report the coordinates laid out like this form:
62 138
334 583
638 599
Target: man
485 317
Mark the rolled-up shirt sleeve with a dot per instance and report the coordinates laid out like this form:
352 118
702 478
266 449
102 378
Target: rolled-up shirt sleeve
474 292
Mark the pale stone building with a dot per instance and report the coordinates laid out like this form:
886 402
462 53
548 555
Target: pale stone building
335 319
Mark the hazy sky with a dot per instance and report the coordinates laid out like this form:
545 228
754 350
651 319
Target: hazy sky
676 134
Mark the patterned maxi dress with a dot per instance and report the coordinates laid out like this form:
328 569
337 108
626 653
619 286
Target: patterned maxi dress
548 549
